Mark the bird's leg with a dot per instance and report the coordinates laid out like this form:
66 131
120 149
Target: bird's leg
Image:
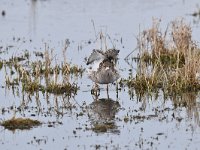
117 90
107 88
107 91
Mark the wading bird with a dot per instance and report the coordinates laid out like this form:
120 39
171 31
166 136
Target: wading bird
103 69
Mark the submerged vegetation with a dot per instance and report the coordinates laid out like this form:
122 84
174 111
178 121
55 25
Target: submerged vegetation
20 123
168 61
103 127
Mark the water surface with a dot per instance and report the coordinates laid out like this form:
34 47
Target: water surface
153 123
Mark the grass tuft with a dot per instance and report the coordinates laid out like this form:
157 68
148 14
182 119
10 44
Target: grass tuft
20 123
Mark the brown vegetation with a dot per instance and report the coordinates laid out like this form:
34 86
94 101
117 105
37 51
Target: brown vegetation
20 123
167 60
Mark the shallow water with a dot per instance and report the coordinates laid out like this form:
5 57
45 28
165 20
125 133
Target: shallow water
153 123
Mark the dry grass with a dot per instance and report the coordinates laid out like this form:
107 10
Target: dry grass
169 60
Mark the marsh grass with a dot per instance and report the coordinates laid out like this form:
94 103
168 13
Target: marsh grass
44 74
168 60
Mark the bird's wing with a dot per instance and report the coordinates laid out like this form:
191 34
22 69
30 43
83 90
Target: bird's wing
95 56
112 53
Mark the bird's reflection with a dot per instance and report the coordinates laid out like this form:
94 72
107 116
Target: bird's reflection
102 115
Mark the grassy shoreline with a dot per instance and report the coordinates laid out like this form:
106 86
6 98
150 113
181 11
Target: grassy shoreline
168 61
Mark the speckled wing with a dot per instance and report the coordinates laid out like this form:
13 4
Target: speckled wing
95 56
111 54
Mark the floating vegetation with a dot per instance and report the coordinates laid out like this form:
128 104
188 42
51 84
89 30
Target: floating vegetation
126 119
103 127
20 123
167 60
